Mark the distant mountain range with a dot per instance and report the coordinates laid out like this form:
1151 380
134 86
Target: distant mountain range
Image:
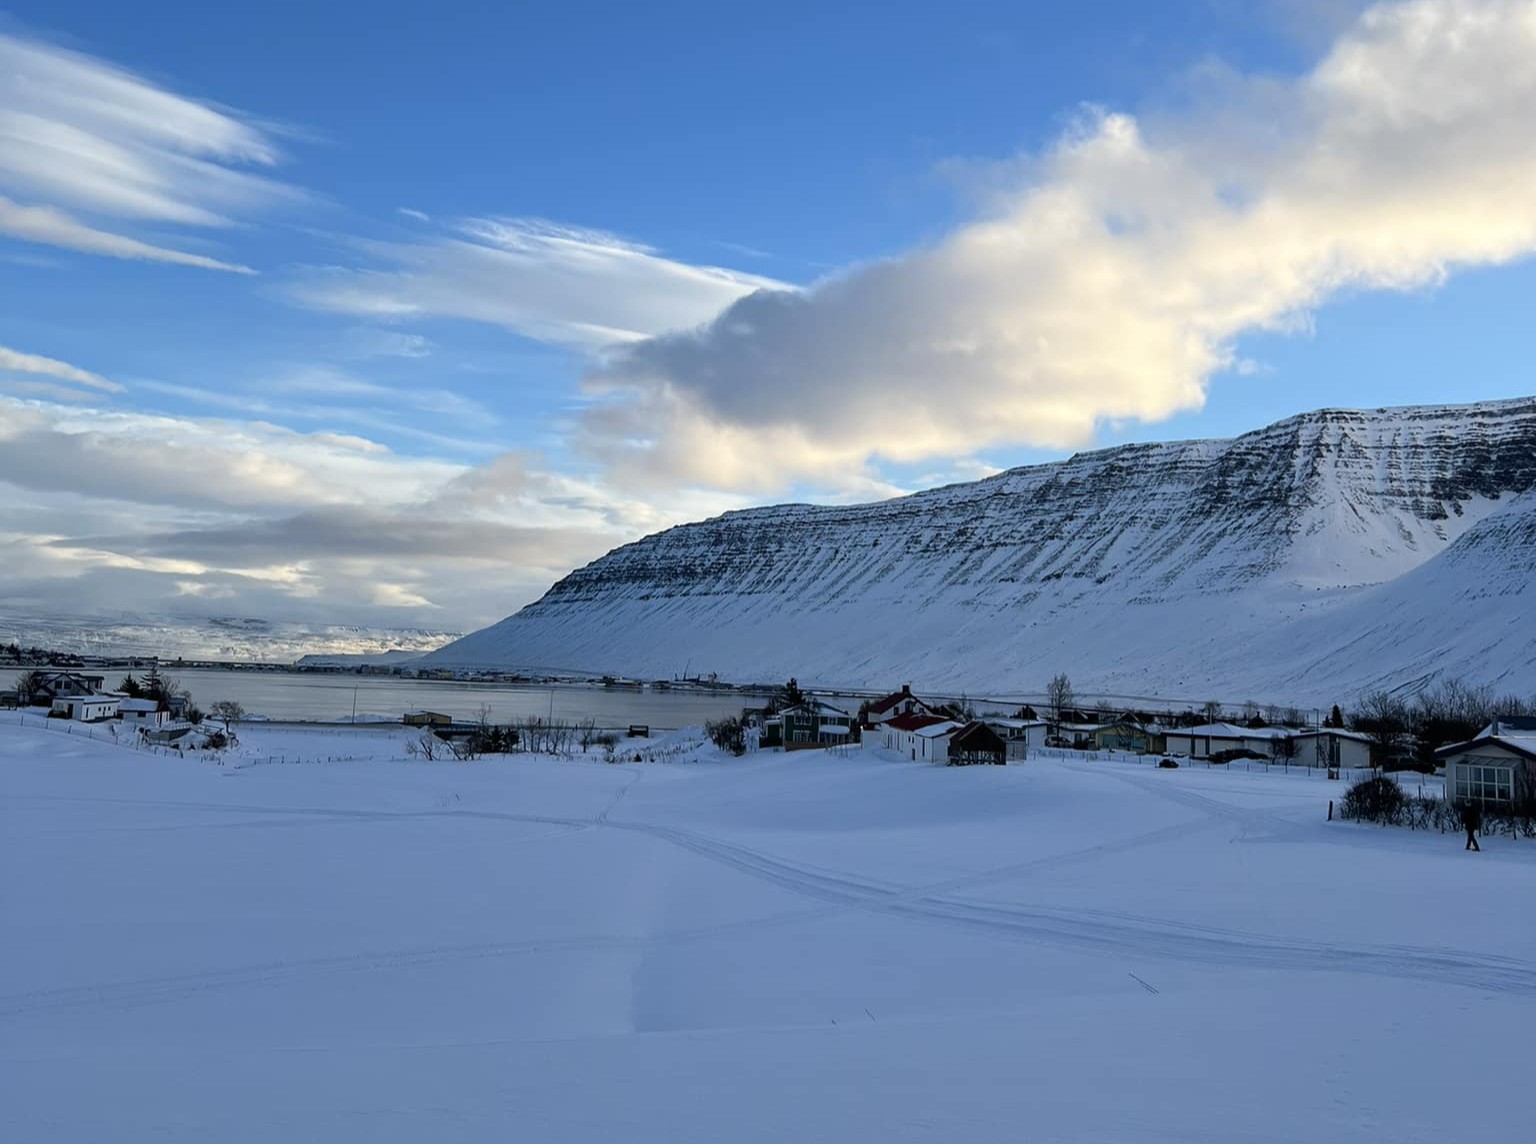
222 638
1306 562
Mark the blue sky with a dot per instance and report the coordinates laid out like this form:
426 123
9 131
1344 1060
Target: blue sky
393 313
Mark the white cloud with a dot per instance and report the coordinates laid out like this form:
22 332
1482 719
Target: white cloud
17 362
55 228
1112 281
117 511
80 137
554 283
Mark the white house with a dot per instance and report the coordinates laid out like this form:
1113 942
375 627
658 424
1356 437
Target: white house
1331 747
920 738
932 742
895 705
143 713
87 708
1209 738
1497 766
1020 735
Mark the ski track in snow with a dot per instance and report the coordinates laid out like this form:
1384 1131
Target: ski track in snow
1094 931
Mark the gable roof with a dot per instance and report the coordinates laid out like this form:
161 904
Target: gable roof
1230 731
976 729
1523 745
915 722
816 707
880 706
938 729
1334 732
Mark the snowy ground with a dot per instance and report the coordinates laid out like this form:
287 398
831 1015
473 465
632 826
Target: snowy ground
797 947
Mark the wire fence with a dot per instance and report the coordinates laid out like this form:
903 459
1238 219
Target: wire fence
1247 766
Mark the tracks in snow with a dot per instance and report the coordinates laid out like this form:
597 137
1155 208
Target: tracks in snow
1101 932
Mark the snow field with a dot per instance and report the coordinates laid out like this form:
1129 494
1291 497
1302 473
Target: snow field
781 947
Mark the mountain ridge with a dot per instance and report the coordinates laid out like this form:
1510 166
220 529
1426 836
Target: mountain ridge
984 585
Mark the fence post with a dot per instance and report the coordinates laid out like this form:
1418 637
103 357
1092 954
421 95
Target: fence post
1330 810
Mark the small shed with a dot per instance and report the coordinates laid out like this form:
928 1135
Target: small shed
1332 747
426 719
88 708
1020 736
143 713
976 743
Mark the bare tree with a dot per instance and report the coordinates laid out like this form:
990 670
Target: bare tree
1058 696
28 683
227 711
1384 719
1212 711
427 747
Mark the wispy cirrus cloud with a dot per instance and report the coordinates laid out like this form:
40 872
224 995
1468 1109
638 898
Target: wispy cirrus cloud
90 151
550 282
1110 278
14 361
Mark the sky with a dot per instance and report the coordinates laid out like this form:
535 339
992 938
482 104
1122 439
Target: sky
392 314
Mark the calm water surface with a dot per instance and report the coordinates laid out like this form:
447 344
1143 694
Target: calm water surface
284 695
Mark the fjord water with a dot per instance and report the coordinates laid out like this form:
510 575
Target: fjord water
319 696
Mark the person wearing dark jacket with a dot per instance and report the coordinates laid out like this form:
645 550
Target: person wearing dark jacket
1472 819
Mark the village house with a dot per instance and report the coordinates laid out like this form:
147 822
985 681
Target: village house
894 706
815 723
1207 739
1331 747
50 685
426 719
1499 766
913 735
1130 735
87 708
1079 736
143 714
934 739
1019 736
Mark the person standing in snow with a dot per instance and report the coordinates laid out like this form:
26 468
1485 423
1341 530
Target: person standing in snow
1472 819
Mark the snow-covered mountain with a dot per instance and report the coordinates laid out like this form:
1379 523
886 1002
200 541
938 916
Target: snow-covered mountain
231 638
1303 562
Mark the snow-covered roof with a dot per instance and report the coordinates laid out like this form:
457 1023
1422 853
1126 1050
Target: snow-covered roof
1336 732
1014 724
1232 731
141 705
939 730
817 707
1519 744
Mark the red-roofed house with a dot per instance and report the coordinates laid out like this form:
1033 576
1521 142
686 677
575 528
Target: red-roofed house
909 735
894 706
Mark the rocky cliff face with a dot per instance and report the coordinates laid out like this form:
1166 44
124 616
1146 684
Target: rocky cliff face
1163 569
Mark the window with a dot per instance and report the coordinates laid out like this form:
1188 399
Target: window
1485 780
